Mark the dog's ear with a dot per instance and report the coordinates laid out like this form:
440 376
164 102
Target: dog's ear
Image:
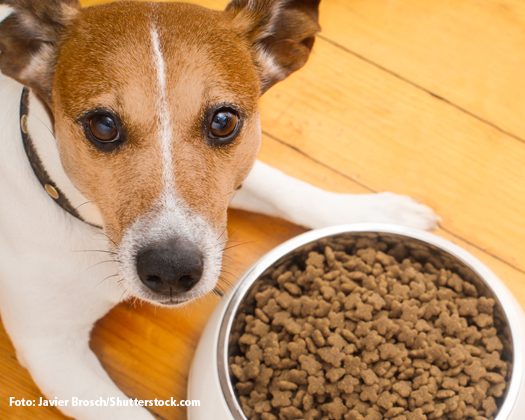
30 35
282 33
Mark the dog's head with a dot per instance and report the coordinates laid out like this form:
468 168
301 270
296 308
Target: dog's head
155 117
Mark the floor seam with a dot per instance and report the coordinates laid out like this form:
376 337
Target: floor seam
404 79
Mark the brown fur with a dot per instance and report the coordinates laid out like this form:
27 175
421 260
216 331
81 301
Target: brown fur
105 59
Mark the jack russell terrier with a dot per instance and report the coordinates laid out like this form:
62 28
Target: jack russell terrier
137 124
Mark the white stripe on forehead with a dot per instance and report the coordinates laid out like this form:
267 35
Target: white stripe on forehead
163 113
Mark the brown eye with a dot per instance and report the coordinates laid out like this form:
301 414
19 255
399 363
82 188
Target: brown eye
223 123
104 128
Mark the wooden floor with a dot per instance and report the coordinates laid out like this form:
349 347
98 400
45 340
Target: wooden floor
423 98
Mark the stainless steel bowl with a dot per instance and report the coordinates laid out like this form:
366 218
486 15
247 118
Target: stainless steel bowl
508 314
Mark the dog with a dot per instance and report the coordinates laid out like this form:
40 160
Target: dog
127 131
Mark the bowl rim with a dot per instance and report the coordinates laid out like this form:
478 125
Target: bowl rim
499 289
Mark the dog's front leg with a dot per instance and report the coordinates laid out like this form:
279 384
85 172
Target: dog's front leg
63 367
269 191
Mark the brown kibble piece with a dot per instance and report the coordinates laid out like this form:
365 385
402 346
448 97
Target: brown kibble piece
287 386
331 355
417 414
403 388
490 406
315 259
371 341
388 351
290 413
483 320
335 374
316 385
347 384
336 408
493 344
364 311
386 400
369 377
369 393
260 328
309 364
468 307
282 399
293 288
485 305
421 396
318 338
244 388
475 370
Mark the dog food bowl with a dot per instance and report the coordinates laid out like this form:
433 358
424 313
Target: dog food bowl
209 379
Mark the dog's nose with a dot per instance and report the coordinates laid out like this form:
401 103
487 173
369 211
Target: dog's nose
169 270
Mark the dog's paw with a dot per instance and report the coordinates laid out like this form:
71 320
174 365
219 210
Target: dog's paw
333 209
402 210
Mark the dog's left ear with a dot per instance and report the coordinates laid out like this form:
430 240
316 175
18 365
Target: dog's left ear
282 33
30 35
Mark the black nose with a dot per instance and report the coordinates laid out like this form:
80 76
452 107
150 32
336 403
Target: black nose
169 269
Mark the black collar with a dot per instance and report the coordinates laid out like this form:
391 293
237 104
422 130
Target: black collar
36 163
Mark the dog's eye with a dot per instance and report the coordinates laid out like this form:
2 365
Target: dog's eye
104 128
224 124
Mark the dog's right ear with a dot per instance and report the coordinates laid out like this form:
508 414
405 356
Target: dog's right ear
30 34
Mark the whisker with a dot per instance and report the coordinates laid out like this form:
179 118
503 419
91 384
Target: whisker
243 243
101 262
133 303
227 241
229 221
228 284
97 250
103 280
87 202
44 124
224 266
220 288
103 233
231 287
229 257
234 272
234 232
122 295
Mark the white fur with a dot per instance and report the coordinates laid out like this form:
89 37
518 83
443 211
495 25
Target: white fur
5 11
271 192
166 132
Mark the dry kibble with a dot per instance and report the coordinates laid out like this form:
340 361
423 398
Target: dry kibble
370 334
316 385
335 374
